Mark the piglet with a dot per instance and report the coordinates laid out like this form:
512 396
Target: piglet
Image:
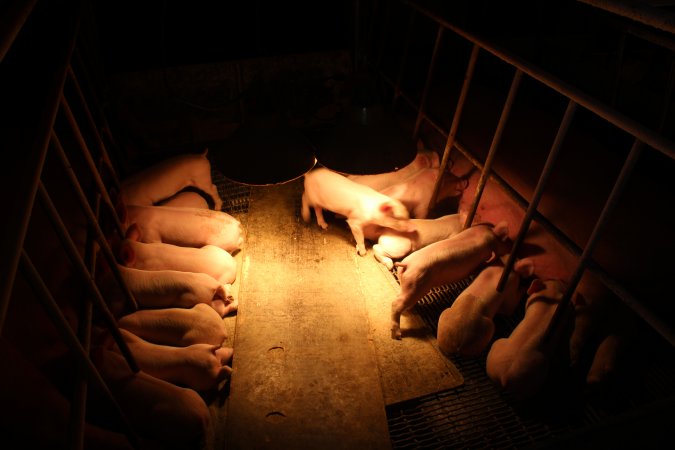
520 363
423 160
363 206
200 324
168 289
211 260
443 262
175 416
467 327
415 191
188 199
168 177
187 227
394 244
201 367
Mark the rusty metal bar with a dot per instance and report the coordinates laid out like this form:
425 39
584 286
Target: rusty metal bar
600 224
638 11
468 76
538 192
79 266
92 166
94 128
639 131
487 168
430 72
45 297
93 223
404 59
11 22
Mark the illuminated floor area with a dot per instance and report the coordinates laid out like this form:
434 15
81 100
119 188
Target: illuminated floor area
315 367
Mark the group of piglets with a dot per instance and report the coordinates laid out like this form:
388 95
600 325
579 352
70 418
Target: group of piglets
392 211
176 259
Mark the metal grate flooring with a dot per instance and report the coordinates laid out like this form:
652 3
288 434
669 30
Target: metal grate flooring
235 195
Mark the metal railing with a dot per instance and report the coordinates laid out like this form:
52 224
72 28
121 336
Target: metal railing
643 136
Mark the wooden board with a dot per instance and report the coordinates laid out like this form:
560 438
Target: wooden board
314 363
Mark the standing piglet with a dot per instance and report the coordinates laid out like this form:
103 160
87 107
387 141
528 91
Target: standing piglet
198 366
200 324
188 227
467 327
423 160
415 191
363 206
394 244
211 260
443 262
168 177
520 363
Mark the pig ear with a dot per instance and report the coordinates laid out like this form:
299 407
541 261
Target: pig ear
502 230
127 254
524 267
536 286
219 294
133 232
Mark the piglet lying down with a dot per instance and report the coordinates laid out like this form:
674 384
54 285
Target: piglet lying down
365 208
443 262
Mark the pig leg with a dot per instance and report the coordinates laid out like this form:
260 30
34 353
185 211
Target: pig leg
357 231
382 256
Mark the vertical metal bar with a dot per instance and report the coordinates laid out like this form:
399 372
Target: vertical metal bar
94 128
538 191
74 257
487 168
425 92
600 224
452 135
93 223
92 166
404 59
44 296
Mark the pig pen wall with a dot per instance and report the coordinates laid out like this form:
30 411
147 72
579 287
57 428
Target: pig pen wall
634 250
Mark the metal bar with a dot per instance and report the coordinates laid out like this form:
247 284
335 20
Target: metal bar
600 224
94 128
93 223
638 11
45 297
404 59
79 402
639 131
487 168
11 22
468 76
538 192
92 166
74 257
430 72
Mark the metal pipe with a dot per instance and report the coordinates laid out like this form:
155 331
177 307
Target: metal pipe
94 128
600 224
487 168
74 257
468 76
45 297
639 131
93 223
92 166
638 11
538 192
430 72
11 22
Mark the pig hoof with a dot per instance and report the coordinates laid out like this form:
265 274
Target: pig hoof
396 332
